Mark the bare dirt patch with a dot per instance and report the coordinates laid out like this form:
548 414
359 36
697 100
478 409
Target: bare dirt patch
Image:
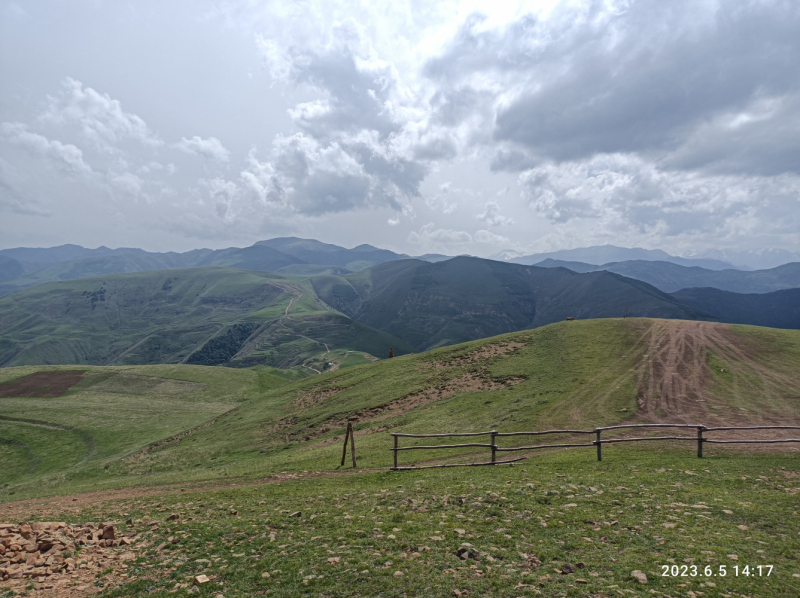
676 386
310 399
41 384
469 382
480 355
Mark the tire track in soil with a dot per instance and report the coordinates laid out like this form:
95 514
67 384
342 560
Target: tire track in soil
675 383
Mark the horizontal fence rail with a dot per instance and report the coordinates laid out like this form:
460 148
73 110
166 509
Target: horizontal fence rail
598 442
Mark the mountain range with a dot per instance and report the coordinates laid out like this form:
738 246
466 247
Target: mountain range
293 303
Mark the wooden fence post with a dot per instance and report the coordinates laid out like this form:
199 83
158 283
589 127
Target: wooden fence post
395 452
700 441
599 449
494 446
352 443
344 449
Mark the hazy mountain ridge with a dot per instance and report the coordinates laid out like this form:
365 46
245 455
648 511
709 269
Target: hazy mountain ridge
780 309
670 277
604 254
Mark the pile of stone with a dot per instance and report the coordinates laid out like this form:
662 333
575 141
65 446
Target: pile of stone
39 550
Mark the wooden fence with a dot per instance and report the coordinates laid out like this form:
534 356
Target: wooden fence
598 442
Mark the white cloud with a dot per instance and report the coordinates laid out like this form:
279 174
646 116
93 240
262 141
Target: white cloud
210 148
439 239
128 183
63 156
626 193
99 117
491 215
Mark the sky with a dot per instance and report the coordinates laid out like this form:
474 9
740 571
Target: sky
417 126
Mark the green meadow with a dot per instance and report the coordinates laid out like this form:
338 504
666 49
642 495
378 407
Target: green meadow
202 442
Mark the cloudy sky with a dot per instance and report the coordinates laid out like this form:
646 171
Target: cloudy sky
454 127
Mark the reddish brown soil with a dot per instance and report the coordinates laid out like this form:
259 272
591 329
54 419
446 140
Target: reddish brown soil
42 384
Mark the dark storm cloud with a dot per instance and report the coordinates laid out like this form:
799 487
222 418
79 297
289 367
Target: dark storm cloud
644 78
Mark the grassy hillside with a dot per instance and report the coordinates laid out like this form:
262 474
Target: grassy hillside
430 305
570 374
256 488
166 316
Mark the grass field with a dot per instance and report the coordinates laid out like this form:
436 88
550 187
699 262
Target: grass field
399 533
272 447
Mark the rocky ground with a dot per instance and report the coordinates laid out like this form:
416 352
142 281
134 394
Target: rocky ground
65 560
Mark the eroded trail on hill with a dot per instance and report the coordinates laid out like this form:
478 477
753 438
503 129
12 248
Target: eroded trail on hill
676 384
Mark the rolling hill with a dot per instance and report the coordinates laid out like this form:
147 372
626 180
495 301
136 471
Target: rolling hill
220 422
167 316
464 298
235 474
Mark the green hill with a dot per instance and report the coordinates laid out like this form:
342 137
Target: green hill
167 316
461 299
566 375
232 473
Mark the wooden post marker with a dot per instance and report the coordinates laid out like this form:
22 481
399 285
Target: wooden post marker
599 449
350 435
700 441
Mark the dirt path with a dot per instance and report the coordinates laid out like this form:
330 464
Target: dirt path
57 506
295 298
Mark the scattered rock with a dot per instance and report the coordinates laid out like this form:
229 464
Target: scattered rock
567 568
173 517
201 579
109 533
296 514
398 574
465 553
639 576
334 559
265 575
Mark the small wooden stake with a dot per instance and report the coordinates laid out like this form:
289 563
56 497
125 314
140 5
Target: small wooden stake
352 444
700 442
395 452
344 449
599 450
494 446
